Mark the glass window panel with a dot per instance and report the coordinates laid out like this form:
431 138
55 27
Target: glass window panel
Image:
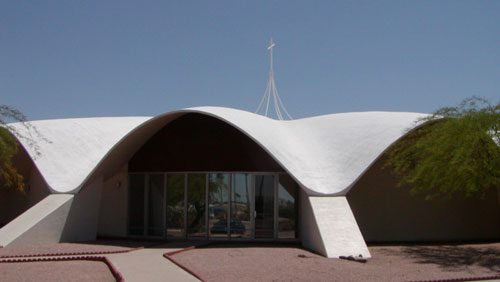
196 205
175 205
218 192
155 205
136 204
264 206
287 209
240 225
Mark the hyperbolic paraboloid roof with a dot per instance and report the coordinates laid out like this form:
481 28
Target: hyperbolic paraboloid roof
325 154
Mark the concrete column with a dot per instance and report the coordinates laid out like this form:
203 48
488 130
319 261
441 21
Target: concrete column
328 227
42 223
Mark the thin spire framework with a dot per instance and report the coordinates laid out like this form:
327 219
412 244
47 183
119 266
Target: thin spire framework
271 95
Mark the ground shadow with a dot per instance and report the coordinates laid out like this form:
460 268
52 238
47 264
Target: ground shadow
176 244
124 242
452 257
243 244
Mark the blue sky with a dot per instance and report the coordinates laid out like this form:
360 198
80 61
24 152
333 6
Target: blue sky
61 59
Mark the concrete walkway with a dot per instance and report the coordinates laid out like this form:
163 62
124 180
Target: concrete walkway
149 264
141 265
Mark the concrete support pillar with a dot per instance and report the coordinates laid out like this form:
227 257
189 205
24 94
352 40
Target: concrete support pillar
328 227
42 223
57 218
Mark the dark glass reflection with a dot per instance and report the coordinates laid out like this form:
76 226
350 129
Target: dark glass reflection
196 205
287 210
155 204
175 205
241 225
136 204
264 206
218 204
230 200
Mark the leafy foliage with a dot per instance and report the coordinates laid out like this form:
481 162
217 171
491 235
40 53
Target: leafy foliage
10 178
453 151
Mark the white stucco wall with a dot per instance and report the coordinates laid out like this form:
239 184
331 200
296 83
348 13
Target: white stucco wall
113 210
388 213
83 217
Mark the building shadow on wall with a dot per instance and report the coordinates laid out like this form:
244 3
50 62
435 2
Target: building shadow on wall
452 257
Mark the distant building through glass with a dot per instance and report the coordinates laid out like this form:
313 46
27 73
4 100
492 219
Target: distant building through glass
213 205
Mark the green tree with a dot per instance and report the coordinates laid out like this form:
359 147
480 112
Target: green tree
10 178
452 152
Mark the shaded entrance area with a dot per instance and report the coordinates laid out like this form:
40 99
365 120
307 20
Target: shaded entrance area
199 177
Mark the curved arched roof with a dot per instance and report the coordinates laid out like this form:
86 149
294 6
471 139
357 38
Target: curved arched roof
325 154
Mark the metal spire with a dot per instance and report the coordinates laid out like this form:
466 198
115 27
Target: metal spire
272 91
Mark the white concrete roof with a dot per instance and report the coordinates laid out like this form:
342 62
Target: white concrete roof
325 154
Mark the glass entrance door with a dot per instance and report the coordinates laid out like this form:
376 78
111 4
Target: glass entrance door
264 206
175 205
155 204
240 224
219 205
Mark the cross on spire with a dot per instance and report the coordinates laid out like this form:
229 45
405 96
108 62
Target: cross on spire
271 45
272 91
